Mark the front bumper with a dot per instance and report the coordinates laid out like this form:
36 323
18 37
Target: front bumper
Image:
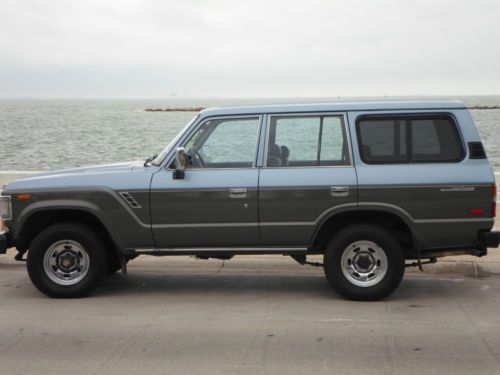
4 240
490 239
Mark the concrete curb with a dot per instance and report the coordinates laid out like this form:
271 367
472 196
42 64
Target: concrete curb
259 264
464 268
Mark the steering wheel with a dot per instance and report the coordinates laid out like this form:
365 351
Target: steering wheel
197 159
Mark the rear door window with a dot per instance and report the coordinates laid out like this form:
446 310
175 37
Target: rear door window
309 140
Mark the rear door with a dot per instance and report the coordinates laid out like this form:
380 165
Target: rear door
307 175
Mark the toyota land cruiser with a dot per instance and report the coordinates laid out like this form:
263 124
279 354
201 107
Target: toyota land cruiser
368 185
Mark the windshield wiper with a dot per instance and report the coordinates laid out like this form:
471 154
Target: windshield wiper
149 160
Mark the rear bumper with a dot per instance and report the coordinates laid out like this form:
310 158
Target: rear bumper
4 240
490 239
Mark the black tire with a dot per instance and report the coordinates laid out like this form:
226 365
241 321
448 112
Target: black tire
349 241
93 248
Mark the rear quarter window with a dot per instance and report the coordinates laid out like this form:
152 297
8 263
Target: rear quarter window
409 139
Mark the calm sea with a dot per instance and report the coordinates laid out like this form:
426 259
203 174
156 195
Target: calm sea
55 134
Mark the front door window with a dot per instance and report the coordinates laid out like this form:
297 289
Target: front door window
224 143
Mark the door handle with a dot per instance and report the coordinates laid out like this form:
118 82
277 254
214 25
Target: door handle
238 192
339 191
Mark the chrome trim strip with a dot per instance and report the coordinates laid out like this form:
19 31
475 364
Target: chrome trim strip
222 249
287 223
438 185
425 221
463 220
222 189
318 220
325 188
457 188
204 225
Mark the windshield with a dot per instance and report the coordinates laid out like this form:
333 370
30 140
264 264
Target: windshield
159 159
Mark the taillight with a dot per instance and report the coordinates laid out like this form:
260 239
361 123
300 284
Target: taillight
494 204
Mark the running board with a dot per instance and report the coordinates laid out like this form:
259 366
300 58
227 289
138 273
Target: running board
223 251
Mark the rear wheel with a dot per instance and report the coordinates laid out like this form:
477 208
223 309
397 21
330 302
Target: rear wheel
364 262
67 260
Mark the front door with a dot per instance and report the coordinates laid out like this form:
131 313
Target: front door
215 205
307 175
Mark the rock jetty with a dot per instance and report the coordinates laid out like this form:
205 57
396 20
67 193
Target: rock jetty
179 109
484 107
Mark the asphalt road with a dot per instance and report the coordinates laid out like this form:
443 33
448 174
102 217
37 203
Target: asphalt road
248 316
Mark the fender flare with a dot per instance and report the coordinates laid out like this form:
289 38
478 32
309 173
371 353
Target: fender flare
363 206
61 205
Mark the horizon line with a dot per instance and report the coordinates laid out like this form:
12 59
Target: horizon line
27 97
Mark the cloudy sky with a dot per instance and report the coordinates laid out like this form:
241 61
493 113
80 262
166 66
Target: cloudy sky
228 48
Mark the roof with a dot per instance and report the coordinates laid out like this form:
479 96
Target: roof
337 107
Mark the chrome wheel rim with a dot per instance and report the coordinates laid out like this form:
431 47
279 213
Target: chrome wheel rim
66 262
364 263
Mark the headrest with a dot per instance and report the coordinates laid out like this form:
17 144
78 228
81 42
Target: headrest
274 150
285 152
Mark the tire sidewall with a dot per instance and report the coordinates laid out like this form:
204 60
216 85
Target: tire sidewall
387 243
92 244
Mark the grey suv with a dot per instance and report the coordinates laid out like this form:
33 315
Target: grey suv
367 185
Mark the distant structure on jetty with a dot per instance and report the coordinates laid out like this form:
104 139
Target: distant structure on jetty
484 107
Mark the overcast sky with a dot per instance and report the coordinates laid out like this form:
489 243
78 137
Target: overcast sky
228 48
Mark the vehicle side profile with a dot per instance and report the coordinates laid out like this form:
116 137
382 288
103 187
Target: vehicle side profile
368 185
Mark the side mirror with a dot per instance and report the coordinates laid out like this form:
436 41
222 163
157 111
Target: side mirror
180 163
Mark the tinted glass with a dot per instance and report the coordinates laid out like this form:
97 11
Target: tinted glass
306 141
383 140
300 136
387 140
333 145
435 140
230 143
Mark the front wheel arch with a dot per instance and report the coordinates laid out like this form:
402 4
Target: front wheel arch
39 220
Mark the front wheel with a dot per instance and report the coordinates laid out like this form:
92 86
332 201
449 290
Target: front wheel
67 261
364 262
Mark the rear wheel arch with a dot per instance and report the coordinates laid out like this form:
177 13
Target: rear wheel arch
398 225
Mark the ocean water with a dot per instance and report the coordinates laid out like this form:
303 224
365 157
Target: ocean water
54 134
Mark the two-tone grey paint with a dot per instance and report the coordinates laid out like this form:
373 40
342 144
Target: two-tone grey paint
264 207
